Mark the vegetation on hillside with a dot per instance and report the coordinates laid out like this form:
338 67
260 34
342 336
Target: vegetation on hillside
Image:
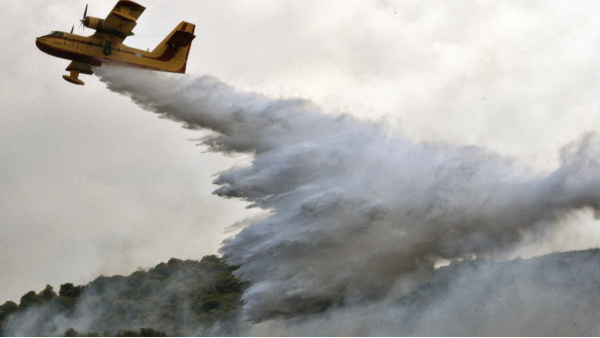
550 295
177 298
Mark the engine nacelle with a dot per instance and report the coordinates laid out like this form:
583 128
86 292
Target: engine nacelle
93 23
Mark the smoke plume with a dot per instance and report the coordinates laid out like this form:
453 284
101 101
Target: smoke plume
356 214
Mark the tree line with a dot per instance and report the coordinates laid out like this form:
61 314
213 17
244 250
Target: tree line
180 297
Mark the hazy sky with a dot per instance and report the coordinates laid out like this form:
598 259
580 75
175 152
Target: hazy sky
91 184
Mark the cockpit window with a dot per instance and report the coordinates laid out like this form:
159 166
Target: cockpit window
55 33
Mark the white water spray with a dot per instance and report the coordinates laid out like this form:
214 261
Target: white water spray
355 212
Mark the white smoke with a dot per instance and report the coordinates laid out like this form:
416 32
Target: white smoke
554 295
356 214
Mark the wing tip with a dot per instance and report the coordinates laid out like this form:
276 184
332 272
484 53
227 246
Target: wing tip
132 5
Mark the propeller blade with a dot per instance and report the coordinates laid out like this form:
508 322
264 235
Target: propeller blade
84 17
72 29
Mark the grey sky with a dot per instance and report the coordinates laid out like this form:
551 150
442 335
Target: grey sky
90 184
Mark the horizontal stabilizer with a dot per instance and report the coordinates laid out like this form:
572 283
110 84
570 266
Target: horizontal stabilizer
181 39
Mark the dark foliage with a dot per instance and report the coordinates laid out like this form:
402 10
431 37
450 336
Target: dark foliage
143 332
178 297
72 333
6 310
188 297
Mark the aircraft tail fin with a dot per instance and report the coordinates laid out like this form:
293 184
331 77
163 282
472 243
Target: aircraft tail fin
175 48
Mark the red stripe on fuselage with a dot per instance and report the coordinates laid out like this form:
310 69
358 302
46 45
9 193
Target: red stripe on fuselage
63 54
167 55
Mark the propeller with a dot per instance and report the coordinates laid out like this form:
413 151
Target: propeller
84 17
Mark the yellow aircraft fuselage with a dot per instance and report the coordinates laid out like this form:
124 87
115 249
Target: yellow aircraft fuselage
106 46
93 51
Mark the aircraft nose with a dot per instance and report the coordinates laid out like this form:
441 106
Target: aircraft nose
40 43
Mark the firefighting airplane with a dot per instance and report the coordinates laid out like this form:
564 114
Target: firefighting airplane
106 45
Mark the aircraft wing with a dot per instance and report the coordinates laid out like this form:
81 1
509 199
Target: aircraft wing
122 19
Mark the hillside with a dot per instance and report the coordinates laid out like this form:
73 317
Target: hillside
176 298
556 294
